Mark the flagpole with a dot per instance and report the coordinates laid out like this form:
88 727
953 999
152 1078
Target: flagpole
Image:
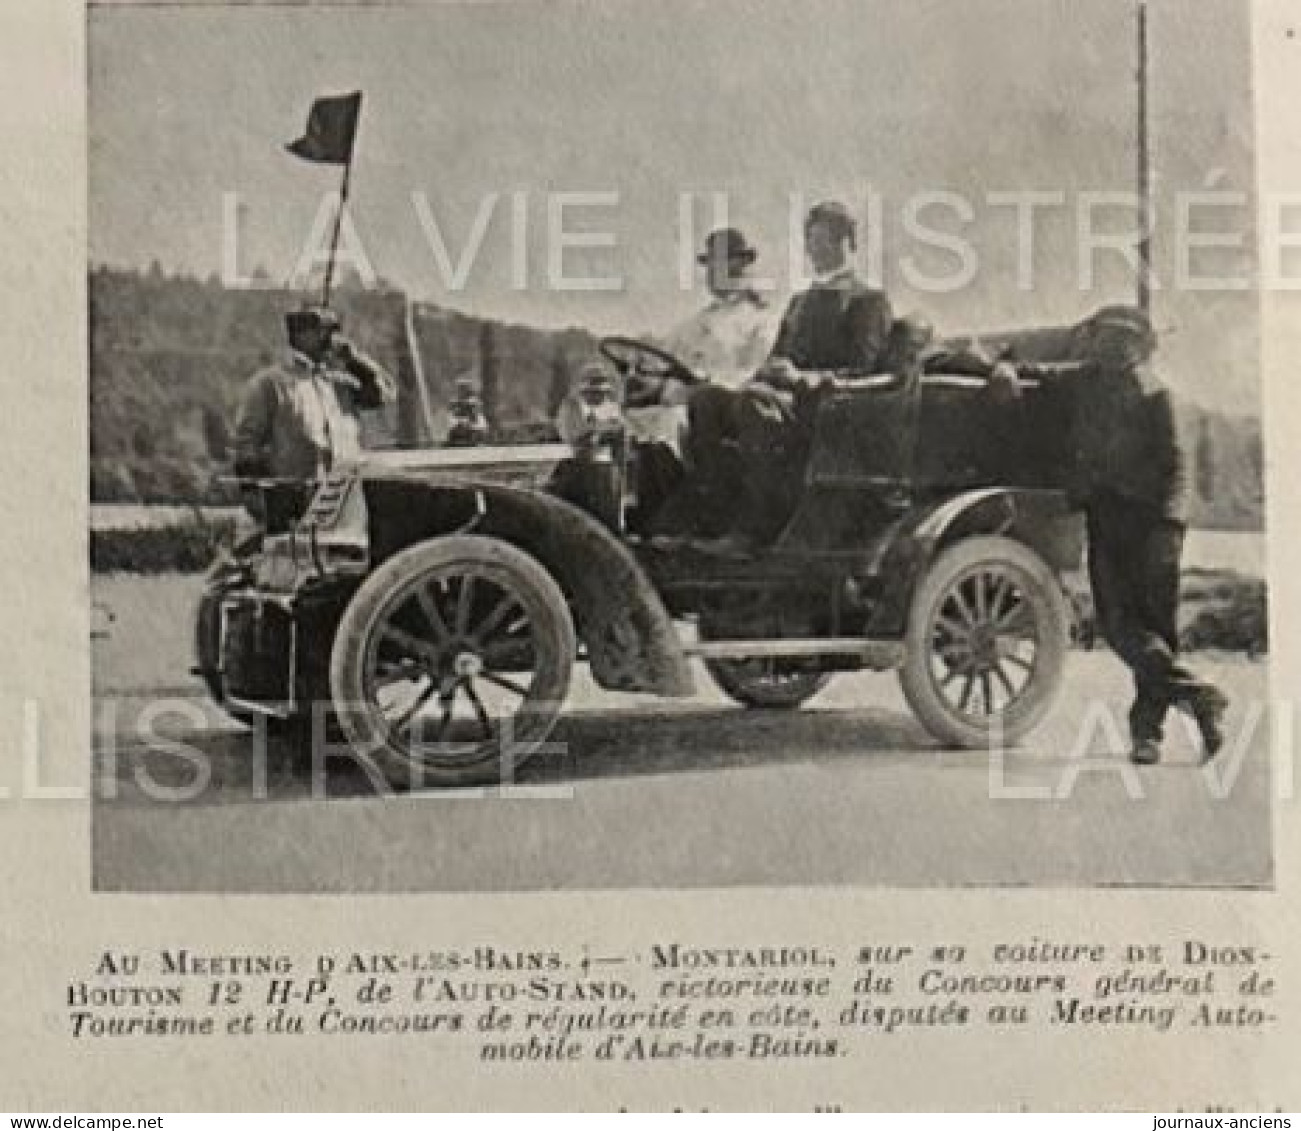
1144 170
338 224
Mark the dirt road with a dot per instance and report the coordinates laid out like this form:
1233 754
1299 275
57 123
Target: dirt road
848 790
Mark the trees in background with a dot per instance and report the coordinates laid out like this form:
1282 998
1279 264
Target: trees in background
170 355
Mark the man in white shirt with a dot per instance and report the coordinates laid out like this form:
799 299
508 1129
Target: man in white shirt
724 342
732 336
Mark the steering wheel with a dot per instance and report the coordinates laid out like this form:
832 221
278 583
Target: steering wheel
644 369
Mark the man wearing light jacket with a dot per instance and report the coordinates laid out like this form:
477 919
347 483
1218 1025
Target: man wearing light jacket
300 418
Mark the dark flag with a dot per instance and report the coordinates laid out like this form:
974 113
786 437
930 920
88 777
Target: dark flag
331 130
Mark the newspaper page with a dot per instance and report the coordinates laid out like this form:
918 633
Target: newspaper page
682 557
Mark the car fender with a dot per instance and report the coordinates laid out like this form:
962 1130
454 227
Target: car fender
1041 519
631 641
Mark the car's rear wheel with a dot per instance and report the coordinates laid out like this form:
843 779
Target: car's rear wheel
766 682
773 682
986 643
452 661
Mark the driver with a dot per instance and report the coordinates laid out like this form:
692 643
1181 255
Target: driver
723 342
729 338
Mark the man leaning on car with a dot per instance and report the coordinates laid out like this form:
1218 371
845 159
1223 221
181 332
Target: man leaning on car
1130 478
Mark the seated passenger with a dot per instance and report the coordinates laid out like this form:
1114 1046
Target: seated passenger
839 327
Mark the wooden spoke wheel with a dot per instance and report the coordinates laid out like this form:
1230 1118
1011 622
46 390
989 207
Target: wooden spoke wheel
452 662
986 643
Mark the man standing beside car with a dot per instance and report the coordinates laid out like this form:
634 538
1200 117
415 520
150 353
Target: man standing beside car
1130 477
300 418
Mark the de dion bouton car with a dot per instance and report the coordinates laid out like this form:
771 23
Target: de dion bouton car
431 605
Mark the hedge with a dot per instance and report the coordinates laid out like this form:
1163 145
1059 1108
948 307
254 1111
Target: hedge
185 547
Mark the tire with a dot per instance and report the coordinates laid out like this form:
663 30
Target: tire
766 683
988 621
454 618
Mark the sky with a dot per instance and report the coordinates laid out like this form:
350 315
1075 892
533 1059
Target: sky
767 101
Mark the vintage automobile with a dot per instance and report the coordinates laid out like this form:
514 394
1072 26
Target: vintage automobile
431 606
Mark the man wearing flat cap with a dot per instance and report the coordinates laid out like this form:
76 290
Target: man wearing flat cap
1130 477
300 418
835 331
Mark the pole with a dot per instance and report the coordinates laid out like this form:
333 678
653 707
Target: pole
1144 171
338 224
418 369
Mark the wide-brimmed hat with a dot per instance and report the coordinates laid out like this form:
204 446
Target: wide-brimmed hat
724 244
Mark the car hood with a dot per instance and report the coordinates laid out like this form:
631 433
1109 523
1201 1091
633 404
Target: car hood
529 464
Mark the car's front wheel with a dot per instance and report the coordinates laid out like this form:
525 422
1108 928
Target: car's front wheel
986 643
452 661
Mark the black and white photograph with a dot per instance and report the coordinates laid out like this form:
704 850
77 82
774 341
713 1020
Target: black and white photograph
579 445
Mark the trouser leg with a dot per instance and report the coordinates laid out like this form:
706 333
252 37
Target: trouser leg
711 423
1162 556
1134 567
711 455
1119 573
769 438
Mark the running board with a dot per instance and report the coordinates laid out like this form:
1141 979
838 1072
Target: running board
878 654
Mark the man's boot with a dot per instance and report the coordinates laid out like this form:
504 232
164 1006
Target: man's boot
1208 705
1146 752
1147 725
